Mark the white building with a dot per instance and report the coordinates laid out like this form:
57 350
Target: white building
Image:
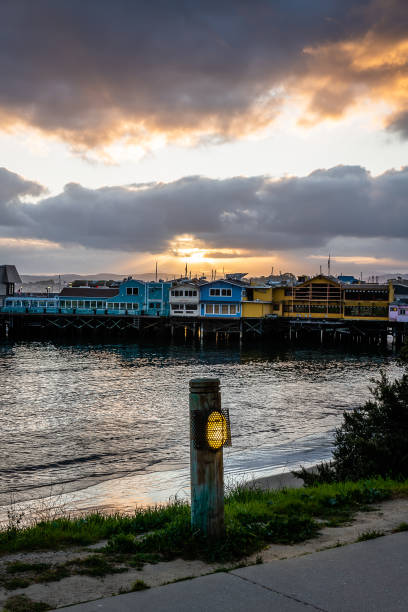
185 298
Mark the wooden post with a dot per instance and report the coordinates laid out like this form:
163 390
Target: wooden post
206 465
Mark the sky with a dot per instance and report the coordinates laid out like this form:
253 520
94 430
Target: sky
233 135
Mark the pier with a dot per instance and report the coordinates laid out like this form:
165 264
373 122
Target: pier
200 329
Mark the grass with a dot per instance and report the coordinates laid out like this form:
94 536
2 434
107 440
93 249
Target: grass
17 567
139 585
21 603
89 529
24 574
401 527
370 535
253 518
96 566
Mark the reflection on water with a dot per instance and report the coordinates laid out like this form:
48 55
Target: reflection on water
112 420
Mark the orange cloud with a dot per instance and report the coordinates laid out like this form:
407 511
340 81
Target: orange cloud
342 75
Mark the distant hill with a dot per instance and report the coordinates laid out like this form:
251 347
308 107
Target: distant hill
382 278
68 278
36 283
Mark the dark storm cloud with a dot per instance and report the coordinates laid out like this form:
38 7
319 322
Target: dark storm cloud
254 214
96 70
12 188
399 123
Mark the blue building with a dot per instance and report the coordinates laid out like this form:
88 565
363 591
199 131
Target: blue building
348 280
141 298
221 298
85 300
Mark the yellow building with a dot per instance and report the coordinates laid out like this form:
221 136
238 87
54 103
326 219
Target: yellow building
367 302
257 302
321 297
316 298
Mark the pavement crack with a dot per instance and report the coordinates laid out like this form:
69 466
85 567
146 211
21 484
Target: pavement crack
305 603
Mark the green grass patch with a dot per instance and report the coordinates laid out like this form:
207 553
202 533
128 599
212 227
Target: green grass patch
11 584
401 527
254 518
96 566
21 603
17 567
63 532
139 585
370 535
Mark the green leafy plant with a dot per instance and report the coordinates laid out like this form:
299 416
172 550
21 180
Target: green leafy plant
372 440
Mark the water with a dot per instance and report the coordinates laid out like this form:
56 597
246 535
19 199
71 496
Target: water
108 424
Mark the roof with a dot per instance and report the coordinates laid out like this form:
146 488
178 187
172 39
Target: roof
194 282
329 279
367 287
91 292
9 274
237 283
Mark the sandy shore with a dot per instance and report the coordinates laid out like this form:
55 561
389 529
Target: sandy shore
279 481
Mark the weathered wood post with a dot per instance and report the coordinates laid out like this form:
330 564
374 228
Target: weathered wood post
209 433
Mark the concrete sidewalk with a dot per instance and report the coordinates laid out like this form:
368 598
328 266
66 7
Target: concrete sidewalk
369 576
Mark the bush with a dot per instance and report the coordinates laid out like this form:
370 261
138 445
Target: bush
373 439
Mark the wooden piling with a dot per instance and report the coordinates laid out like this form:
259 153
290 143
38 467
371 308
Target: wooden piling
206 465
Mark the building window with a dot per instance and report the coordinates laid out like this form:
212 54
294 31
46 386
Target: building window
233 309
226 292
214 292
208 309
132 290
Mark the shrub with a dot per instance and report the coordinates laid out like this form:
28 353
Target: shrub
372 440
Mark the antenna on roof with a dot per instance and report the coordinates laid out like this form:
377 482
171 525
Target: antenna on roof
328 265
320 269
156 271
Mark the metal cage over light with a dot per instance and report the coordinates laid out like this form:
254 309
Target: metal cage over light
210 426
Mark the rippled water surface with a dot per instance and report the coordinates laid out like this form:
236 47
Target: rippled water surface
83 416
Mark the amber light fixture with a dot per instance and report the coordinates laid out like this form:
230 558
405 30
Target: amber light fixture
216 430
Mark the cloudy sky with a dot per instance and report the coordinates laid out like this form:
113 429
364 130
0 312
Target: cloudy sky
231 134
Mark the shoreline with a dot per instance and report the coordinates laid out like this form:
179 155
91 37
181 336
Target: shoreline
68 503
285 480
